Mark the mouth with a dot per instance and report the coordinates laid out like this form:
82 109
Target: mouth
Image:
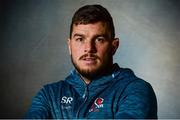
89 60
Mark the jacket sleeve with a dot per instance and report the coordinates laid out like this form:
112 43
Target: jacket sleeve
138 101
39 107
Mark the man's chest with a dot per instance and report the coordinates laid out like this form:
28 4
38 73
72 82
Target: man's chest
92 105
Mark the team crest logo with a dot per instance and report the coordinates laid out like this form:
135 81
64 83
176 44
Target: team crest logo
98 103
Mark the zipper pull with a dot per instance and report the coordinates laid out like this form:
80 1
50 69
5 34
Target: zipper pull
85 92
84 95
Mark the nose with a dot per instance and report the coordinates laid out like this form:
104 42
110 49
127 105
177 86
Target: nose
89 47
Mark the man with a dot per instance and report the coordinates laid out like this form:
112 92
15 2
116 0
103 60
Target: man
97 88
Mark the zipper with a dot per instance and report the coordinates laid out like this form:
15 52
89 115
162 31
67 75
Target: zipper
85 97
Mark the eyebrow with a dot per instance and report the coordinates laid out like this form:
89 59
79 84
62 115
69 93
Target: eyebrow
81 35
103 35
78 35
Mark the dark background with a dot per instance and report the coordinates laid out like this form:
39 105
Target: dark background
33 49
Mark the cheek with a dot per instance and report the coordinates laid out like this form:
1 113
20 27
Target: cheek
76 53
104 52
105 48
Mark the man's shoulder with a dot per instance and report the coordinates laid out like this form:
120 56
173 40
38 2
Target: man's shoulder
127 79
135 80
53 89
128 75
140 84
135 84
54 85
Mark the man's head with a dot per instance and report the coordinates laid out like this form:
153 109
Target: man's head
92 14
92 43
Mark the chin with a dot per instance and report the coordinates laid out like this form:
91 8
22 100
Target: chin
90 72
88 69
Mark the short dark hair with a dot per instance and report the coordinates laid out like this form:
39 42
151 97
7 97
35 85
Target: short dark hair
92 14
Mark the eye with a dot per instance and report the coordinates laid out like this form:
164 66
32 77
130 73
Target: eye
79 39
100 39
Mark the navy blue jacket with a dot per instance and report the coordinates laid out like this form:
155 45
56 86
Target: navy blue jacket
119 94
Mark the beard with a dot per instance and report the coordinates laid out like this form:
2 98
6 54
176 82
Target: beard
93 73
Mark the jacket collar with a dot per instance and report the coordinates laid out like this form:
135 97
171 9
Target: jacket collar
76 81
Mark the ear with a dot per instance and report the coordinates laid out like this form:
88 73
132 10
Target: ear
69 45
115 45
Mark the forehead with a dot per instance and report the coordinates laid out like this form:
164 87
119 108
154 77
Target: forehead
92 28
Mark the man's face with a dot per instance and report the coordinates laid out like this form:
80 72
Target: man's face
91 49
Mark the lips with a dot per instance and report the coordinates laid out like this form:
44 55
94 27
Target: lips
89 60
